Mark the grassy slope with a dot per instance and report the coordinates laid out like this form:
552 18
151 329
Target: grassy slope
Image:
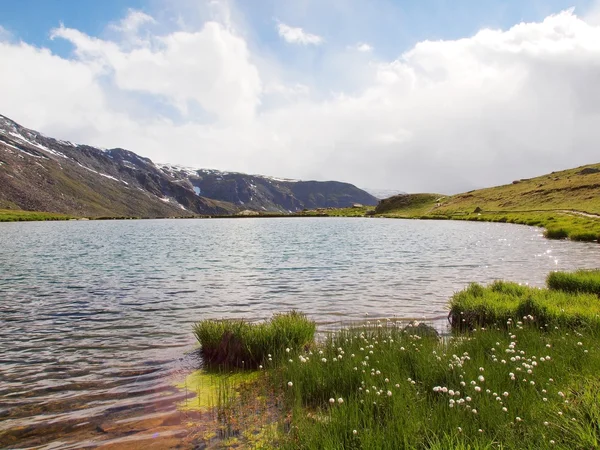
10 215
568 190
566 203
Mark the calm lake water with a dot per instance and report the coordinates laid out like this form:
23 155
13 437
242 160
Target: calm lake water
96 317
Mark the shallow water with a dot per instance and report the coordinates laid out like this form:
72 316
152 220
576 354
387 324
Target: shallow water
95 317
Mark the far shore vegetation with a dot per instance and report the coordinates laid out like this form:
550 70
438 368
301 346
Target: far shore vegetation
518 369
17 215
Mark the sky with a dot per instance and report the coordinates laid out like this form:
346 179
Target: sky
420 96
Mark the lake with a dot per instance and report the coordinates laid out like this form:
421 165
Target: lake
96 316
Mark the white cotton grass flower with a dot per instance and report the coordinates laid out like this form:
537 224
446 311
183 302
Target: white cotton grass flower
331 401
340 400
290 384
354 432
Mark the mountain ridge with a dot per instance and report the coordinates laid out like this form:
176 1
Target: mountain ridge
40 173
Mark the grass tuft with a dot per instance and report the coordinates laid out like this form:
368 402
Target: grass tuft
503 303
579 281
237 343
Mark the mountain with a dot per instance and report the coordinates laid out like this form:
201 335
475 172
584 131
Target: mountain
262 193
39 173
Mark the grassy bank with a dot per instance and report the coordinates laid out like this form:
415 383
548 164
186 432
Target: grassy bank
501 304
565 203
12 215
521 372
579 281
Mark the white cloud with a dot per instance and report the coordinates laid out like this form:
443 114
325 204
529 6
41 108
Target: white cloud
295 35
211 67
445 116
363 47
288 91
133 21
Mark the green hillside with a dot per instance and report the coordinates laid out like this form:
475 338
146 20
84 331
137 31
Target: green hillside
566 203
12 215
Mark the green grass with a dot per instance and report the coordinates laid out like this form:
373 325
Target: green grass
565 190
395 390
237 343
579 281
521 371
360 211
502 303
409 205
558 225
12 215
565 203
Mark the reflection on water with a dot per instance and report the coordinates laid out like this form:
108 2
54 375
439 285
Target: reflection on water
96 316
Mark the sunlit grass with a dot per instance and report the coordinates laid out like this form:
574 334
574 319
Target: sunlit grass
566 204
557 225
502 302
520 371
579 281
385 388
12 215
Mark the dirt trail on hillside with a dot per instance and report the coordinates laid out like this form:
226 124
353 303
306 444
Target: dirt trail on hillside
580 213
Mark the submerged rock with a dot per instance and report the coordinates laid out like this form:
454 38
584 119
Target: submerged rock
421 329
